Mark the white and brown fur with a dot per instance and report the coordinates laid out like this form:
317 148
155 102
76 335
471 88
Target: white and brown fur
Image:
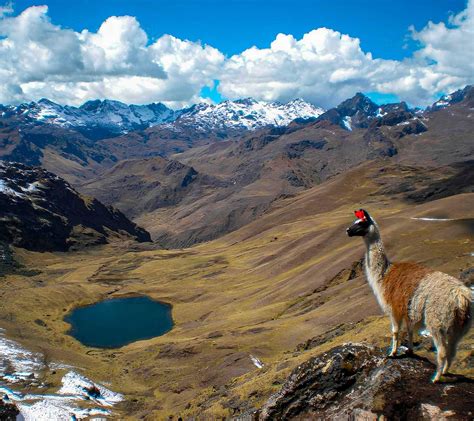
413 295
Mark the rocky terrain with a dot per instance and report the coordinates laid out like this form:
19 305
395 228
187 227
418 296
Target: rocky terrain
8 411
244 163
140 186
355 382
42 212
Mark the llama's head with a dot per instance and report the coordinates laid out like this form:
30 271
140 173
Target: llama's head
362 226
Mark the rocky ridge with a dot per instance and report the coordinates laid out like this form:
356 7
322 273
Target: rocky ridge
40 211
358 382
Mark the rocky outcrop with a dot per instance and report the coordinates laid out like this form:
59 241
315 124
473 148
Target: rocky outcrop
465 95
355 112
358 382
8 411
40 211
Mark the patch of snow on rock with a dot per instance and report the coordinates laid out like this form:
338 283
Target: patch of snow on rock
380 113
425 333
347 123
5 189
256 362
76 384
17 363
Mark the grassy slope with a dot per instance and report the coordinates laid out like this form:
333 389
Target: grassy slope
261 291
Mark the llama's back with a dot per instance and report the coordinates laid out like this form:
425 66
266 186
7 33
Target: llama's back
444 304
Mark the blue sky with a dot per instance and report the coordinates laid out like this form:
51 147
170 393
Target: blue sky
209 52
235 25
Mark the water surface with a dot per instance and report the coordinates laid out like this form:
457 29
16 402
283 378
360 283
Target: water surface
117 322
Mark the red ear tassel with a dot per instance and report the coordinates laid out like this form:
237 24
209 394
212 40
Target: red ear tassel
360 214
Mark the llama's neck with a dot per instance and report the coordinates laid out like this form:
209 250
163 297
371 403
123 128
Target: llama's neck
376 261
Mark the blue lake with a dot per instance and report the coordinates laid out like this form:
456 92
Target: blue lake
117 322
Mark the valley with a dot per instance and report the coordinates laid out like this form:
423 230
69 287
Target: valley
249 249
262 291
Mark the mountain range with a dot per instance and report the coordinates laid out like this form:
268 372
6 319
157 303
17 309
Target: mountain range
213 168
100 119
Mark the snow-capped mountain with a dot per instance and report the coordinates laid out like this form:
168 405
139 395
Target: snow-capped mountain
246 114
453 98
104 118
361 112
111 116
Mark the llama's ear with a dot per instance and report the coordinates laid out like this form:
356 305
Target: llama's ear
366 215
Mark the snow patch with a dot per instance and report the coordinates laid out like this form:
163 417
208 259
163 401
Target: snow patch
50 409
20 367
432 219
347 123
75 384
16 362
256 362
425 333
5 189
380 113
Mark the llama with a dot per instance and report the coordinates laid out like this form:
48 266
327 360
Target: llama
414 295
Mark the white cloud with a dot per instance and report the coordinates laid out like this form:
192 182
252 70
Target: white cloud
41 59
326 66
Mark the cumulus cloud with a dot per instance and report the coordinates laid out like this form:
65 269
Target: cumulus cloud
41 59
325 66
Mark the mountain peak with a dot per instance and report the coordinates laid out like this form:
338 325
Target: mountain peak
353 112
244 101
46 101
359 102
465 94
245 114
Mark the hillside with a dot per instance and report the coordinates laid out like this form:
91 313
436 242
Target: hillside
281 289
143 185
42 212
247 175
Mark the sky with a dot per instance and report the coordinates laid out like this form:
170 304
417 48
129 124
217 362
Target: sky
184 51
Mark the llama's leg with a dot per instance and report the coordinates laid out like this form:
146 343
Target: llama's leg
446 365
450 354
441 356
410 338
395 336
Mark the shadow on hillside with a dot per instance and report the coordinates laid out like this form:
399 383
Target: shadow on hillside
461 180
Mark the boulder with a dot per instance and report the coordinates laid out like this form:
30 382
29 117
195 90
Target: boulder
358 382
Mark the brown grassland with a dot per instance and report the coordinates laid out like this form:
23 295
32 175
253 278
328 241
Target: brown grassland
290 276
